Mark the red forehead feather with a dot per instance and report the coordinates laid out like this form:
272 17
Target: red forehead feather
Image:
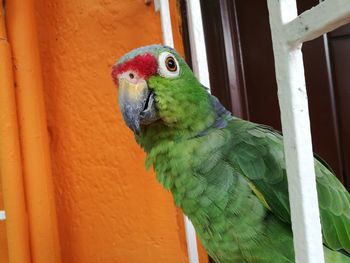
145 65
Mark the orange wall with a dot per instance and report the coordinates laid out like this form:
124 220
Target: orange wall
109 209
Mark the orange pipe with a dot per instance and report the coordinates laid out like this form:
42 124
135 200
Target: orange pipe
21 29
10 159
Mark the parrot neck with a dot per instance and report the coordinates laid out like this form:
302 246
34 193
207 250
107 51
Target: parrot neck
200 122
158 134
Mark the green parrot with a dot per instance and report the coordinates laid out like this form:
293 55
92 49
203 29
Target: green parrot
228 175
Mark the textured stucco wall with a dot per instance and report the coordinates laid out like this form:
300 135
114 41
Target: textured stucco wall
109 209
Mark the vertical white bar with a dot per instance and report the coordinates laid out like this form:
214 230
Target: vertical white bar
168 41
191 239
197 42
2 215
297 136
166 23
156 5
200 69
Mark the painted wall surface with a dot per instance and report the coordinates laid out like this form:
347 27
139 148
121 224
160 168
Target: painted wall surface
109 208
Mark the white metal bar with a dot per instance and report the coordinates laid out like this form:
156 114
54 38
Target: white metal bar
197 42
200 69
317 21
321 19
2 215
295 122
156 5
191 239
166 23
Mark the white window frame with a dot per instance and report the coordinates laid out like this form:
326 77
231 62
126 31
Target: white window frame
2 215
289 31
203 76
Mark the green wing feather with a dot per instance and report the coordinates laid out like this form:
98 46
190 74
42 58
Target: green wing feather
257 152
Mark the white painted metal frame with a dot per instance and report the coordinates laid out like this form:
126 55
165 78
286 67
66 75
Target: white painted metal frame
197 42
163 6
2 215
289 31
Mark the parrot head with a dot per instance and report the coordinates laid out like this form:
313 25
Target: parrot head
155 85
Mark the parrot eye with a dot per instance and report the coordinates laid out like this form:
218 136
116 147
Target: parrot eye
168 65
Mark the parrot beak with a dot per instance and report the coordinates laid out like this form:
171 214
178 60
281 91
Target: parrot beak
137 104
